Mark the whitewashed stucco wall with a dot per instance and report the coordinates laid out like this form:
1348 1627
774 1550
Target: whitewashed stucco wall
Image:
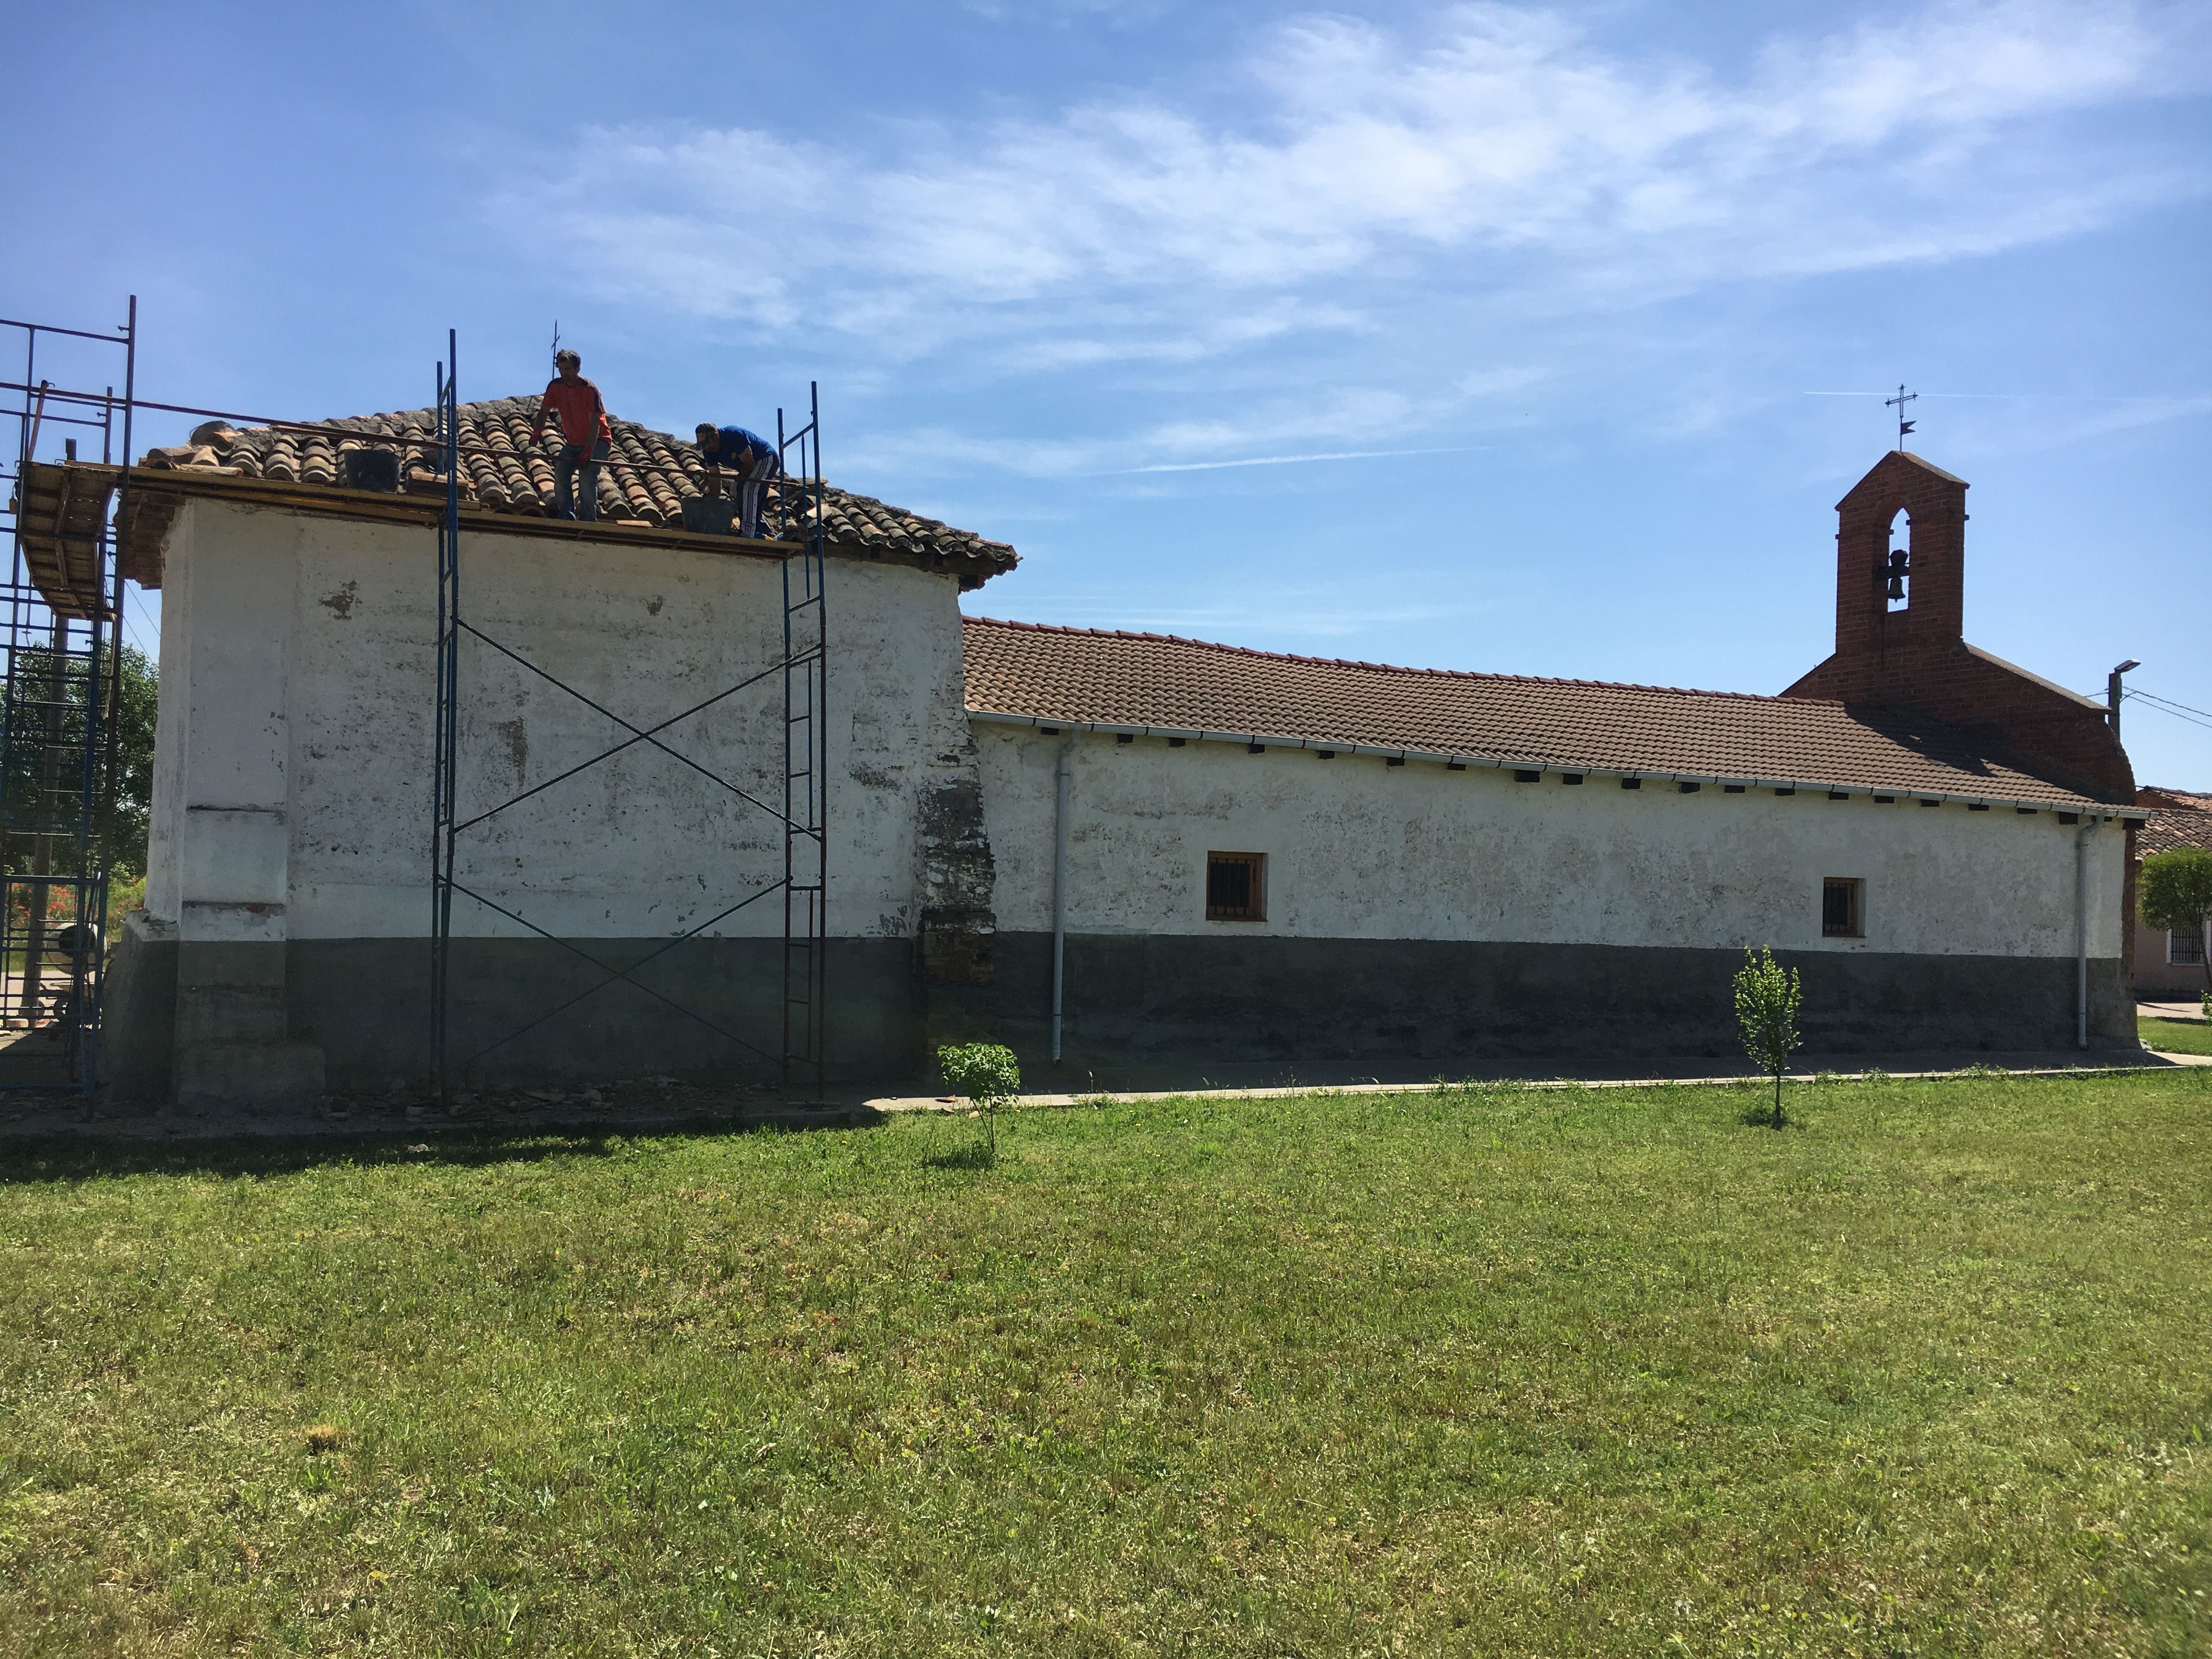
1357 849
293 767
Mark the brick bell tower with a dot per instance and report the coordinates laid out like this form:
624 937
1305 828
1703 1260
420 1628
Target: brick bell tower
1900 644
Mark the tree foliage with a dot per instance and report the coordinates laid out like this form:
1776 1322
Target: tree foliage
1768 997
988 1074
2174 892
41 759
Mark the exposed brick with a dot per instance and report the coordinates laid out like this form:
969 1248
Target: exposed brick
1918 660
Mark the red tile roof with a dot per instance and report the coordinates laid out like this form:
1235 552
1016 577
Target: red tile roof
646 479
1158 683
2151 794
2172 827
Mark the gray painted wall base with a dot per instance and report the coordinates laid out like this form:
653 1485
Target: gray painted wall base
203 1027
1430 1005
1418 1006
138 1013
364 1004
265 1076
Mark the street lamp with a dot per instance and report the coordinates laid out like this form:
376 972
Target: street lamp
2113 692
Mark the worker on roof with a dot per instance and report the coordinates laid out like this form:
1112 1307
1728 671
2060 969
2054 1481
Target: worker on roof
749 458
582 410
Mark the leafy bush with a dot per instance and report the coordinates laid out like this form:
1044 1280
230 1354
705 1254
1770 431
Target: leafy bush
2174 893
22 771
124 895
988 1074
1767 998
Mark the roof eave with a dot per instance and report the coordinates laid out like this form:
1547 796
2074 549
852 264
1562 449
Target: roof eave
2049 803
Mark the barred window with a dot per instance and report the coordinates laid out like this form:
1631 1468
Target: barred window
2185 949
1236 886
1839 908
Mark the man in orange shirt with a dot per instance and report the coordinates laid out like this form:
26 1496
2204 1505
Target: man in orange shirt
586 438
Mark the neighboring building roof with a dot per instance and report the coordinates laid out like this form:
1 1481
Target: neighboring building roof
2172 827
2151 794
644 482
1156 683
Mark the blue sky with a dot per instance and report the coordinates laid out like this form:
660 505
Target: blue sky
1559 292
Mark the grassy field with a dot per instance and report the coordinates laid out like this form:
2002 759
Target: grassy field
1510 1372
2176 1036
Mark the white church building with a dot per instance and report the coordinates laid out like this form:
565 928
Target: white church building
1196 853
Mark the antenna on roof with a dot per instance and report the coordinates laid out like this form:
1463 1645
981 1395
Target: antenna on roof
1898 403
556 347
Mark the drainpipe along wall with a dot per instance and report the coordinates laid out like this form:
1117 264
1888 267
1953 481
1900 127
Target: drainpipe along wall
1065 775
2081 931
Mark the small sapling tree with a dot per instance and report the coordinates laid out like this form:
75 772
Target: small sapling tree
1767 998
2174 893
988 1075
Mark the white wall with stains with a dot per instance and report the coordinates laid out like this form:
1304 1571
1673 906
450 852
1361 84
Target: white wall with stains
292 771
1357 849
293 777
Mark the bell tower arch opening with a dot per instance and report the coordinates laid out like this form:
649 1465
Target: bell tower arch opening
1897 564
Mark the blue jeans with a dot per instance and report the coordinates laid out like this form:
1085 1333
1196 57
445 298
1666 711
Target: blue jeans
565 467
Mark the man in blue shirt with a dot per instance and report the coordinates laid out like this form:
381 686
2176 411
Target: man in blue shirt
750 461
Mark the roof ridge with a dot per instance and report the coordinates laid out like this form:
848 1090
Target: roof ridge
880 523
1379 667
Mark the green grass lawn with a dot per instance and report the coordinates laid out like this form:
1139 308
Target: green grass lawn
2176 1036
1508 1372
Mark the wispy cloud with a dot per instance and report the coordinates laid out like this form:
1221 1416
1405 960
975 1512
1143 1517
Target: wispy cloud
1538 163
2182 405
1316 618
2024 421
1286 460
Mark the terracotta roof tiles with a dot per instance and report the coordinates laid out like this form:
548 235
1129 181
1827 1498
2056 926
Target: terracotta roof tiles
646 478
1162 683
2170 828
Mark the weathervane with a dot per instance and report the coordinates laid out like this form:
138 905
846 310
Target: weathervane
1898 403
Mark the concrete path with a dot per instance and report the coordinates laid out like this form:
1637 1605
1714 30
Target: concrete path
2190 1010
661 1105
1632 1074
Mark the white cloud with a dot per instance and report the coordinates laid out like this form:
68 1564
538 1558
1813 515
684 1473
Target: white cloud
1317 614
1355 182
1292 461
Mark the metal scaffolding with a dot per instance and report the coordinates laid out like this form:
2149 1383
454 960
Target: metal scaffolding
799 1051
59 714
58 756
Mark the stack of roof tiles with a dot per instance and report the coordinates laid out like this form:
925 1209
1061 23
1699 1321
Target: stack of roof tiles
1159 683
645 480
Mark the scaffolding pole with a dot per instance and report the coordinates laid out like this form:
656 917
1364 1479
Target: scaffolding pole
806 783
799 1053
447 728
59 717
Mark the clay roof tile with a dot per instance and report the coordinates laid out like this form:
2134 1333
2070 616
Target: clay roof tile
1090 676
2170 828
648 476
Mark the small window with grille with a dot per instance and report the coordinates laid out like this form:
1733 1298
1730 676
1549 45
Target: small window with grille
2185 948
1236 886
1840 916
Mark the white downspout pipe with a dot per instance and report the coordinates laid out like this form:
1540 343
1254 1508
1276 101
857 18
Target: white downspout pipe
1065 774
2082 837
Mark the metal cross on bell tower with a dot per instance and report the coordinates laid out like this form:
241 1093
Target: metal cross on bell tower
1898 403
